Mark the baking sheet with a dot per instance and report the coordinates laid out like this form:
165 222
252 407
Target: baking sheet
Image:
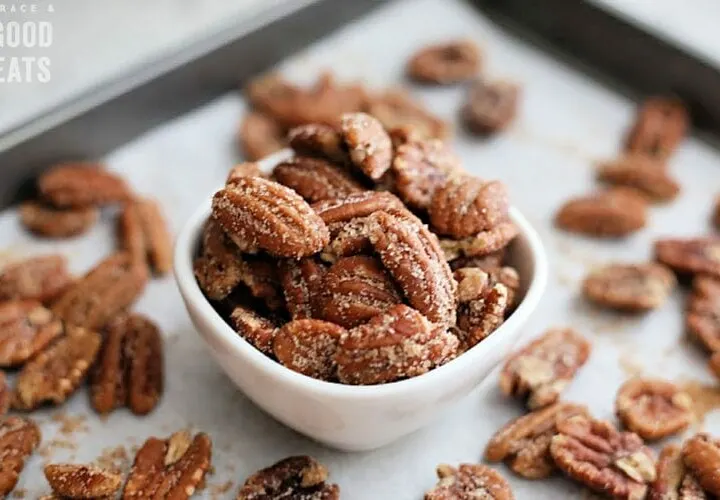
567 121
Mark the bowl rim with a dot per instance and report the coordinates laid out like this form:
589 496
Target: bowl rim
184 255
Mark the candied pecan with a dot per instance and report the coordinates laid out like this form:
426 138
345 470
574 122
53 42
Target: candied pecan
109 288
57 371
613 213
674 481
405 134
220 267
268 91
631 287
660 126
642 173
412 256
169 468
479 317
19 437
254 328
703 312
302 283
653 408
144 234
355 206
26 328
81 185
524 443
300 477
82 481
542 369
490 106
46 220
259 135
315 179
357 289
445 63
482 244
245 169
42 278
397 108
347 239
369 146
316 139
260 275
692 255
596 454
261 214
397 344
701 455
486 262
308 346
468 482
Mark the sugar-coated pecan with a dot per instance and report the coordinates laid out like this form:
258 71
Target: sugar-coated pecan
613 213
703 312
107 289
653 408
540 371
347 239
674 481
468 482
244 169
692 255
55 373
220 268
632 287
490 106
26 328
259 135
19 437
701 455
412 256
169 468
308 346
369 146
356 289
41 278
479 317
302 283
482 244
355 206
596 454
46 220
316 139
642 172
660 126
445 63
315 179
81 185
397 108
260 214
486 262
472 283
398 344
82 481
405 134
300 477
253 327
144 234
524 443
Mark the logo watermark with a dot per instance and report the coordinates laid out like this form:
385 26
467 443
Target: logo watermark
26 35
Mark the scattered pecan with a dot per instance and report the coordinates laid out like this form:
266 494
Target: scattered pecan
315 179
490 106
674 481
19 437
482 244
355 206
701 455
41 278
369 146
653 408
82 481
254 328
26 328
703 312
270 91
144 234
254 212
46 220
302 283
397 344
445 63
693 255
245 169
169 468
479 317
316 139
642 173
220 267
299 477
308 346
55 373
357 289
632 287
81 185
468 482
541 370
259 135
659 128
109 288
613 213
524 443
594 453
396 108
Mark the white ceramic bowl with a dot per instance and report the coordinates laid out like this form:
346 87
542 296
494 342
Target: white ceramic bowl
348 417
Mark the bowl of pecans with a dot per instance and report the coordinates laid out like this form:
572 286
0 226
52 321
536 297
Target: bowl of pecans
360 284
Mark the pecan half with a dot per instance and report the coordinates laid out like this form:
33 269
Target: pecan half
693 255
660 126
26 328
600 457
302 283
653 408
701 455
486 263
220 268
144 234
445 63
347 239
41 278
479 317
45 220
541 370
254 328
355 206
254 211
368 144
269 91
299 477
631 287
19 437
308 346
398 344
703 312
468 482
674 481
643 173
244 169
82 481
490 106
81 185
259 135
316 139
169 468
57 371
315 179
524 443
482 244
397 108
614 213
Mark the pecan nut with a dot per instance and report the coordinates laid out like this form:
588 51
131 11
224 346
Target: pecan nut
302 283
631 287
356 206
347 239
293 477
653 408
482 244
481 316
316 139
308 346
315 179
693 255
673 480
144 234
220 268
642 173
490 106
253 327
368 144
40 278
82 481
45 220
486 262
614 213
245 169
26 328
19 437
270 93
701 455
703 312
660 126
397 108
81 185
445 63
469 481
259 135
